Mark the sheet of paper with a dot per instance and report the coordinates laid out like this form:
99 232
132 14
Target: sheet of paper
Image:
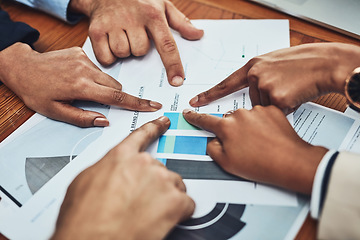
323 126
227 45
351 142
206 62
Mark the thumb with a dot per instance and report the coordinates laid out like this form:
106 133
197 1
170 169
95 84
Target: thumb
76 116
215 150
179 22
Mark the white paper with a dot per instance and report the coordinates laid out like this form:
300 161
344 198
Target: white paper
351 142
218 54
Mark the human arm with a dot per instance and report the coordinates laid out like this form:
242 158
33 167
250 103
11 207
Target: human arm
119 28
289 77
126 195
260 145
49 82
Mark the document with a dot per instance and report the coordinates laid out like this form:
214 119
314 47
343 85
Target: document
233 208
351 142
206 62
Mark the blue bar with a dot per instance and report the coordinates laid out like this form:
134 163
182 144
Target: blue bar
174 118
190 145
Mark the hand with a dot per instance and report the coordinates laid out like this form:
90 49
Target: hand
289 77
261 145
119 28
49 82
126 195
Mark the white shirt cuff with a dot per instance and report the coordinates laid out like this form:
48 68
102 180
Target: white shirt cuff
57 8
317 185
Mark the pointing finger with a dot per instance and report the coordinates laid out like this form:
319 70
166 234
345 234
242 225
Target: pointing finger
233 83
76 116
142 137
205 121
169 54
115 97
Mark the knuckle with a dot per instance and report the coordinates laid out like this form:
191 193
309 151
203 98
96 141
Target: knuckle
96 31
225 126
80 84
81 120
154 12
168 45
120 50
278 97
145 159
141 51
265 86
141 103
252 62
163 174
119 96
199 117
78 51
204 95
105 60
221 86
254 71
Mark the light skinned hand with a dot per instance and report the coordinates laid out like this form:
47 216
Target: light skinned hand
289 77
49 82
260 145
126 195
119 28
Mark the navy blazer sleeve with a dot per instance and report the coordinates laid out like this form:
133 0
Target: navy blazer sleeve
12 32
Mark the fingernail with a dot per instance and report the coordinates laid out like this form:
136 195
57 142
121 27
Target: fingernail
185 111
163 119
194 100
155 105
177 81
101 122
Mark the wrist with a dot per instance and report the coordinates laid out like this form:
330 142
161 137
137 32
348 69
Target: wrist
81 6
301 174
347 58
8 58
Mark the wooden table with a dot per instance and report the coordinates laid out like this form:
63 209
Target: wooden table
55 34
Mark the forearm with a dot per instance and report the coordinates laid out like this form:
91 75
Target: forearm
295 170
8 59
346 57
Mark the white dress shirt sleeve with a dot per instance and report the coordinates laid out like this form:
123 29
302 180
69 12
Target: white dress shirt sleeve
317 184
57 8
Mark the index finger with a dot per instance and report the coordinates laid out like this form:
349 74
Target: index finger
168 51
142 137
115 97
205 121
236 81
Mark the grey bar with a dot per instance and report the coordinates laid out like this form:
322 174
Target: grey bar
207 170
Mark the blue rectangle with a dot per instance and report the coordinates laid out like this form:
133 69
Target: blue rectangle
190 145
174 118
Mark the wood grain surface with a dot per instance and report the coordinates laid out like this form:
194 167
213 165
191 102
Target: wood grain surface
55 34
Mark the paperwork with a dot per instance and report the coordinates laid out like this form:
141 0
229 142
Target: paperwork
32 194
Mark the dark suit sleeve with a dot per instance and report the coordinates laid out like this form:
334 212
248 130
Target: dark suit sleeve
12 32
